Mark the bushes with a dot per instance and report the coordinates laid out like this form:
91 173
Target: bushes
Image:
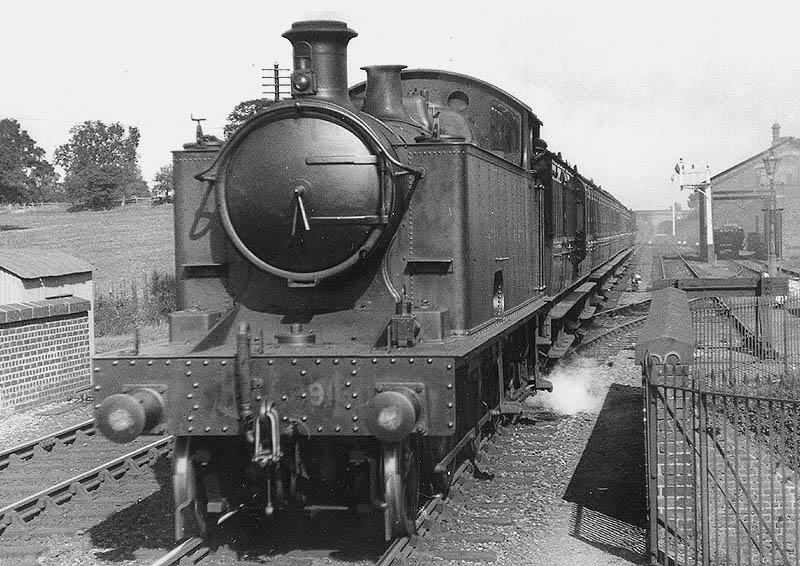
134 303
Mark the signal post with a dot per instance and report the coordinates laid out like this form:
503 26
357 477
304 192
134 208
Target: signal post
700 181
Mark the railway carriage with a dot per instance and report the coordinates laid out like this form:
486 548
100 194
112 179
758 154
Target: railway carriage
366 277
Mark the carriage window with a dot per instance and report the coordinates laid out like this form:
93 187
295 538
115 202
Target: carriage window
503 129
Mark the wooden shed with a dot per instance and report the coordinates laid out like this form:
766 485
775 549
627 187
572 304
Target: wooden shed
35 274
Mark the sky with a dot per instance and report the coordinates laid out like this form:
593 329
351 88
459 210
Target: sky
624 88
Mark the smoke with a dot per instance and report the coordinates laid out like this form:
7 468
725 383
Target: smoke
572 391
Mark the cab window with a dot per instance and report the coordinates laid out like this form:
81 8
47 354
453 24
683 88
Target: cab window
503 129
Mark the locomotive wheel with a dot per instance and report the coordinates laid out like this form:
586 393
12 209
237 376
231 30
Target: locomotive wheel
191 518
401 487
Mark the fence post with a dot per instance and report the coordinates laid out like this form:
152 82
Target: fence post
651 440
702 430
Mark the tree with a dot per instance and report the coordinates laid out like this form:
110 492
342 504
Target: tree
244 110
25 174
693 200
100 164
162 184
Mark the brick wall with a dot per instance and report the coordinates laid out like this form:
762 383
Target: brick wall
44 351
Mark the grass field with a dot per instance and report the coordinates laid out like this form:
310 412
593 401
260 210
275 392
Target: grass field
122 244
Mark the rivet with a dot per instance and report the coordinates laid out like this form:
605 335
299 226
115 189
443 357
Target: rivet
190 418
189 396
304 418
355 418
335 361
355 429
319 429
97 388
450 425
284 418
374 360
167 362
195 407
449 405
338 428
205 362
284 398
207 429
303 372
270 362
354 372
303 395
224 429
96 369
449 366
353 362
223 362
348 383
115 362
258 397
449 385
195 385
149 362
348 406
419 388
132 362
317 361
188 362
355 395
379 388
188 374
429 360
391 361
189 428
294 362
97 406
411 360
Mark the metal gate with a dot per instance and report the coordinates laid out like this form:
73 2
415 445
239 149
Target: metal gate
722 439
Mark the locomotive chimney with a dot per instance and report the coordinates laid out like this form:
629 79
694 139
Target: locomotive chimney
320 59
776 133
384 96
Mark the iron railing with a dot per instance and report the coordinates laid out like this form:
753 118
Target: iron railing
723 438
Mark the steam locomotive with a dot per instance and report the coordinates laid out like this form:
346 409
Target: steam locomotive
368 277
728 240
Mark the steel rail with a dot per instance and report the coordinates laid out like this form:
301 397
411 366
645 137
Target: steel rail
621 308
689 267
27 509
27 450
627 325
192 549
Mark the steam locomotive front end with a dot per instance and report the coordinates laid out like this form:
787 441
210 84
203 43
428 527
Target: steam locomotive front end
311 187
288 223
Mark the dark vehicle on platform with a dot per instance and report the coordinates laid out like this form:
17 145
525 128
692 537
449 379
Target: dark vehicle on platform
728 240
367 279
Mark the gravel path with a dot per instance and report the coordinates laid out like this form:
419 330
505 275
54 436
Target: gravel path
42 420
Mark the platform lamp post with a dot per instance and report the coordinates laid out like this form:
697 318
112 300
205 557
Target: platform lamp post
770 164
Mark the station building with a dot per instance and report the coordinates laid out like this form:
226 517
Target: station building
740 194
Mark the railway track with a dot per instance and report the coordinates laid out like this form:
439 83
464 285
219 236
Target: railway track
40 447
73 466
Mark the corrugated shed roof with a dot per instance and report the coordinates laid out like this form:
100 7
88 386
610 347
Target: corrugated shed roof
32 263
